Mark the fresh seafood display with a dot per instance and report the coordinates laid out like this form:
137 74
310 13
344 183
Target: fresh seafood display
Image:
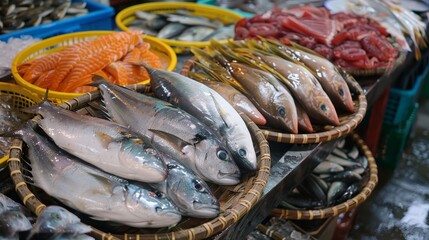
114 148
172 131
181 25
349 40
13 218
210 108
294 89
20 14
112 56
338 178
103 196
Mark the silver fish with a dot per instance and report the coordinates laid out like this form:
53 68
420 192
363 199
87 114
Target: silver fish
11 223
273 100
105 144
210 108
193 20
171 30
195 34
225 32
86 189
172 131
189 193
306 89
56 219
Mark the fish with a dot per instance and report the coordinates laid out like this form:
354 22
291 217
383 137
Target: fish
58 220
189 19
172 131
336 189
210 108
13 218
271 98
171 30
238 100
327 73
105 144
84 188
225 32
195 34
304 122
328 167
188 192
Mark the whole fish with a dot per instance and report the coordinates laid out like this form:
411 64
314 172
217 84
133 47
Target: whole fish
102 143
193 20
306 89
210 108
55 219
172 131
171 30
269 95
328 75
238 100
189 193
195 34
86 189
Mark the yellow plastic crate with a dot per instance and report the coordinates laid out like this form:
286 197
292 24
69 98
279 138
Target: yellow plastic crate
126 16
57 43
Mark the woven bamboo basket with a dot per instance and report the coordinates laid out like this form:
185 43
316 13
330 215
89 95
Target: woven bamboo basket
21 98
348 122
342 207
235 201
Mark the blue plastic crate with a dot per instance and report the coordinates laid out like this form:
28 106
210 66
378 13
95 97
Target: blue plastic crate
99 17
401 100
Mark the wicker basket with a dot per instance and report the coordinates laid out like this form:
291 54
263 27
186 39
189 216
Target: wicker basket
348 122
345 206
235 201
212 12
21 98
57 43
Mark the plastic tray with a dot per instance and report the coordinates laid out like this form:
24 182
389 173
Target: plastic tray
394 138
99 17
212 12
54 44
401 100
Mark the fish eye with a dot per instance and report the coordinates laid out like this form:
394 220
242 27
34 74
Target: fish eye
159 194
150 151
242 152
282 111
198 187
323 108
222 154
341 92
171 166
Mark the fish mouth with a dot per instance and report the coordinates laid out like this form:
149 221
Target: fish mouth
228 178
169 211
205 210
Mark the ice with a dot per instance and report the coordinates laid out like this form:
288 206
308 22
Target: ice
9 49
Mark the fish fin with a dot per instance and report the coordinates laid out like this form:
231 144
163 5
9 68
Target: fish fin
221 110
180 143
106 139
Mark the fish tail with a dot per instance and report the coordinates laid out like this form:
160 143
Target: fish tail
36 108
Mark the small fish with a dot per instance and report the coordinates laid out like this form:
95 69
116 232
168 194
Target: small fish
105 144
310 187
195 34
225 32
346 176
84 188
11 223
189 193
210 108
343 162
354 153
336 190
56 219
171 30
351 191
193 20
172 131
328 167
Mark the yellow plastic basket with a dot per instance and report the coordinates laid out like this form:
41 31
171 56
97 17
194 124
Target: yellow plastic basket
125 16
21 98
57 43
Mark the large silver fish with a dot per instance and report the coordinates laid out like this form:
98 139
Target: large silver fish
306 89
210 108
89 190
269 95
328 75
172 131
103 143
189 193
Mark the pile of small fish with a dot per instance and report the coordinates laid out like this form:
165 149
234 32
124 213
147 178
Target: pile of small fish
54 222
20 14
181 25
338 178
289 88
148 166
113 56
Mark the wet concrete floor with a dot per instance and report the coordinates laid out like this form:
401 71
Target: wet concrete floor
399 207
